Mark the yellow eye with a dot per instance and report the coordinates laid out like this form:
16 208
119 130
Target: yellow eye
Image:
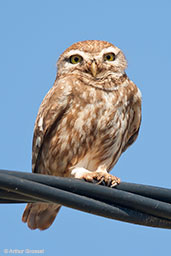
109 56
74 59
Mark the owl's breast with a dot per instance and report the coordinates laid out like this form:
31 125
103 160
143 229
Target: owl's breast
91 133
98 127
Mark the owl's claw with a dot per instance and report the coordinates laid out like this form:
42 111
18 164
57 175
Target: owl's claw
102 178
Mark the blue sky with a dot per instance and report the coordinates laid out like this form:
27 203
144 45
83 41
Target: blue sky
32 36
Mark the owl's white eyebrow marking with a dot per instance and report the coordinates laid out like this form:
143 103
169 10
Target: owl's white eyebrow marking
113 49
76 52
73 52
40 124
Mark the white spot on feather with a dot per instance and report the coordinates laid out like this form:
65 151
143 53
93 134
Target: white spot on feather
40 124
139 93
38 141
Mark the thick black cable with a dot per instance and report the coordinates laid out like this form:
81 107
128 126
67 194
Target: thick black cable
106 202
105 194
158 193
53 195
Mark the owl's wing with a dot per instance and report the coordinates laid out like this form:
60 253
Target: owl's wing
136 122
131 140
52 109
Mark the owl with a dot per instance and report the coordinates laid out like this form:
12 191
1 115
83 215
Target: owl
90 116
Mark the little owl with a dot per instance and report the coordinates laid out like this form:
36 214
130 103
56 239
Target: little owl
88 118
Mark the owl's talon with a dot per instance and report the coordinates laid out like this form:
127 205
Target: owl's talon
109 182
113 185
101 181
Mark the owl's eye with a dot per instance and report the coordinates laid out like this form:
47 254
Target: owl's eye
74 59
109 57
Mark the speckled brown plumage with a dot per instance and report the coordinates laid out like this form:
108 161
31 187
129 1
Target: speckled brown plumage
85 122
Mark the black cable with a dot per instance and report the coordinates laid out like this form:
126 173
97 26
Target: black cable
112 203
158 193
145 205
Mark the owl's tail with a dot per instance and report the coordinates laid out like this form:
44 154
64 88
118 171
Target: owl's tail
40 215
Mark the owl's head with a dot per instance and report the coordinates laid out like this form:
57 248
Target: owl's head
92 58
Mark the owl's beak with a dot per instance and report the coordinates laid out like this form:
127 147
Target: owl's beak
93 69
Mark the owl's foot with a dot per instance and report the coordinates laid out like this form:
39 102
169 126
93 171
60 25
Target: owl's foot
99 177
102 178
